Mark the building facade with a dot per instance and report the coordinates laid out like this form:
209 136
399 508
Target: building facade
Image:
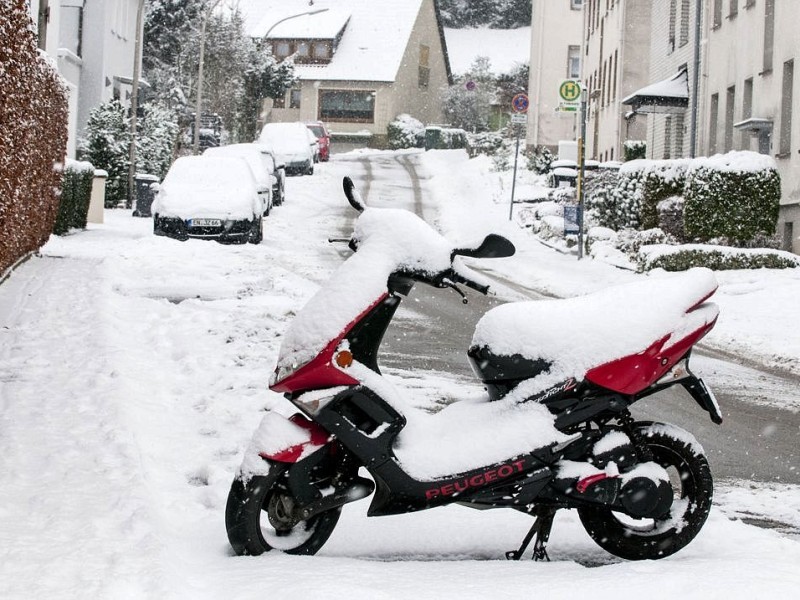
360 63
93 44
555 55
751 96
616 51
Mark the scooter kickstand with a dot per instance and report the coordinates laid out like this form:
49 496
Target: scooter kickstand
541 529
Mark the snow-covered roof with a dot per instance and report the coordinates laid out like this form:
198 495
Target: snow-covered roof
662 96
374 40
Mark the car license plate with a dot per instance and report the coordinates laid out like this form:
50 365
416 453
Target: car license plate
205 222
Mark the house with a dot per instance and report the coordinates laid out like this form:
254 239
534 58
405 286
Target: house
555 53
360 63
93 43
745 93
616 53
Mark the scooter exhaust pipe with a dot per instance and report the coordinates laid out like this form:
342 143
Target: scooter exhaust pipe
360 488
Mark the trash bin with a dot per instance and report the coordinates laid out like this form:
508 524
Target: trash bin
144 194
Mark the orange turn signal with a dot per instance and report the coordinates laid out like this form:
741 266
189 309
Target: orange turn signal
344 358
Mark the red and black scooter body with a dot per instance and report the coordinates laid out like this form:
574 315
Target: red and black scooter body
363 423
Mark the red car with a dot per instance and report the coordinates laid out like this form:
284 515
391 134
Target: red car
323 138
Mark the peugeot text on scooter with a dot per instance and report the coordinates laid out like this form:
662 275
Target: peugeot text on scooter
554 431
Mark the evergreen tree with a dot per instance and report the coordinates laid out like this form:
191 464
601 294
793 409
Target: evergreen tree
500 14
467 104
106 147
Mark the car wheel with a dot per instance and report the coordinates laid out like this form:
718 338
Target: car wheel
310 169
257 232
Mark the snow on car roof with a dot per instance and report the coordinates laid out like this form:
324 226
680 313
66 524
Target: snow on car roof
207 171
371 48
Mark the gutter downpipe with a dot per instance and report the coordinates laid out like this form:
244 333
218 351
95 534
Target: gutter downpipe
695 78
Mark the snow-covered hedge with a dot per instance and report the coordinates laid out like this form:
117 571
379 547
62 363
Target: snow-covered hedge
634 150
735 195
718 258
444 138
76 192
33 137
405 132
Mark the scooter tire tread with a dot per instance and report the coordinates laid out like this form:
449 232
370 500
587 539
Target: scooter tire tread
614 537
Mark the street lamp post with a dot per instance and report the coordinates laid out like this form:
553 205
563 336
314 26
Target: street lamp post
137 66
302 14
199 102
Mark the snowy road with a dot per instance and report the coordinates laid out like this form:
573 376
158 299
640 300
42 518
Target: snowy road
133 371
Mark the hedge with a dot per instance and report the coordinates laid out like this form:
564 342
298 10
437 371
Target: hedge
405 132
33 137
444 138
736 196
681 258
76 192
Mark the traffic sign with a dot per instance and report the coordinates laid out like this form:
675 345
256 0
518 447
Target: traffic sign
569 95
520 103
519 118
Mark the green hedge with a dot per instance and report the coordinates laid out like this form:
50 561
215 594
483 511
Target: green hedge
723 201
444 138
405 132
718 260
76 192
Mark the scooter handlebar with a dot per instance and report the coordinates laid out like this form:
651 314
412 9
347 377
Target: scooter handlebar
456 278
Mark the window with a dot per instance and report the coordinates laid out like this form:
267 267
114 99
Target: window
678 136
43 20
713 118
686 7
667 137
352 106
281 49
279 102
769 34
616 67
303 49
424 76
294 98
788 236
573 62
717 22
747 110
321 50
749 3
730 103
785 146
71 28
576 4
734 9
673 7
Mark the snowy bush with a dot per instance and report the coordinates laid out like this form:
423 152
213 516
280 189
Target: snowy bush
670 217
660 179
33 137
630 241
718 258
488 142
76 192
107 144
405 132
735 195
614 198
539 159
634 150
444 138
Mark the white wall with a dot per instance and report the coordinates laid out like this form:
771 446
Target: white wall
555 27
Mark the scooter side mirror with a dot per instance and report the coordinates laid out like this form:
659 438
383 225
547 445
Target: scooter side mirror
353 195
493 246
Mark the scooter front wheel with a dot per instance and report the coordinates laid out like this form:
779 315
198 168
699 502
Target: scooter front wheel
647 539
258 518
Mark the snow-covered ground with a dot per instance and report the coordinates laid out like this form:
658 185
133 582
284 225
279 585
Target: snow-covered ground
133 370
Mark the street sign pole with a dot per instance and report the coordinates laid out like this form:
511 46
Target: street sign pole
582 172
519 106
514 177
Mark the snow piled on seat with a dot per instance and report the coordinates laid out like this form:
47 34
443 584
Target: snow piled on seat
578 334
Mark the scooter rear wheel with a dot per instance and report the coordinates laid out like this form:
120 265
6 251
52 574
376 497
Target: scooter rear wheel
648 539
257 518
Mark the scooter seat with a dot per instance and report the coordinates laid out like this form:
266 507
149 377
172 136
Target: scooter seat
579 334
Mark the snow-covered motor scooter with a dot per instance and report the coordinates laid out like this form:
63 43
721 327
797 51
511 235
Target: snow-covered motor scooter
554 431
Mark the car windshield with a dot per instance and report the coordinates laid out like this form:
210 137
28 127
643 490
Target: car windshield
204 172
317 130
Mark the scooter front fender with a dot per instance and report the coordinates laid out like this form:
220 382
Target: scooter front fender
282 440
